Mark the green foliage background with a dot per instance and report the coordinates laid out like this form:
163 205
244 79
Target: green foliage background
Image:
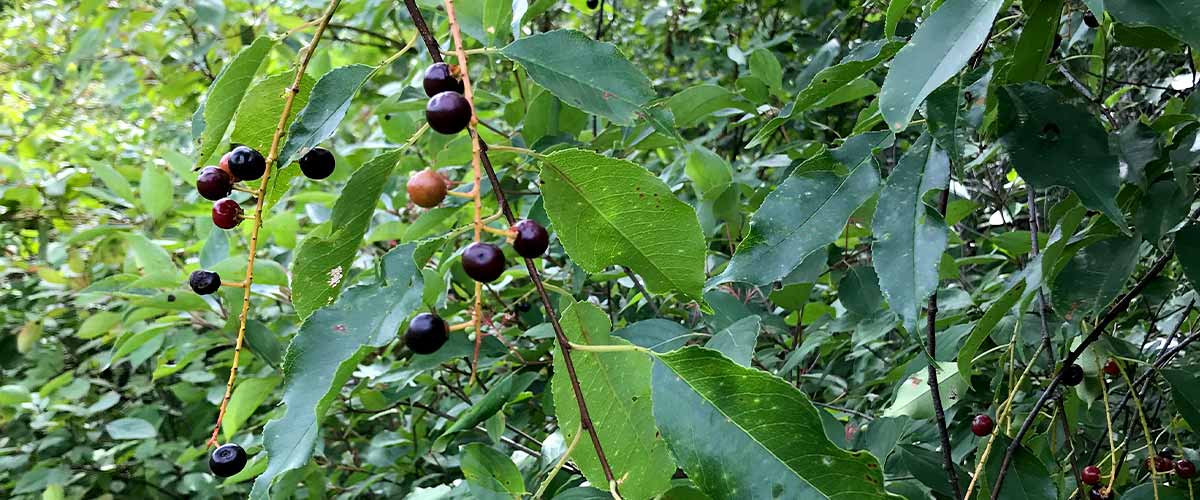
771 171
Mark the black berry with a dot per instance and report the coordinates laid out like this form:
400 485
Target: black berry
1168 452
531 239
317 163
1090 20
214 183
427 188
170 297
246 164
226 213
439 78
227 460
1072 375
1100 493
204 282
1090 475
982 425
592 4
448 112
483 262
1185 469
426 334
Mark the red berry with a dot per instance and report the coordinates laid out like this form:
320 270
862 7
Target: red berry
1163 464
483 262
1072 375
1111 368
317 163
531 239
448 112
224 165
439 78
427 188
1185 468
1090 475
213 183
982 425
426 334
246 163
226 213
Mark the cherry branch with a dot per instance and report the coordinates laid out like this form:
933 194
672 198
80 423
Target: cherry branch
479 156
304 57
935 392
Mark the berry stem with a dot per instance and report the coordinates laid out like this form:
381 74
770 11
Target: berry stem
304 56
1150 453
234 284
459 194
1112 445
608 348
496 231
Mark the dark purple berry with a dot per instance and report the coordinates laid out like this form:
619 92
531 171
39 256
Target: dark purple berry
982 425
483 262
1090 20
448 112
246 164
592 4
531 238
1185 469
317 163
213 183
227 460
1090 475
204 282
226 213
439 78
426 334
1072 375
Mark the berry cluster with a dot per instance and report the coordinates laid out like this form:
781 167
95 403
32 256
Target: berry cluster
447 111
243 163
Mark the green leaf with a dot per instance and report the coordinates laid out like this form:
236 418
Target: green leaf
1187 252
486 20
130 428
150 257
1058 144
613 212
828 81
1180 18
616 387
658 335
323 355
1094 277
737 341
565 62
859 291
327 106
709 411
913 398
249 394
490 474
500 394
805 213
157 192
258 117
697 102
1163 207
983 327
909 236
1185 391
324 259
12 395
224 97
114 181
98 324
1037 39
895 12
765 67
1027 478
710 174
942 45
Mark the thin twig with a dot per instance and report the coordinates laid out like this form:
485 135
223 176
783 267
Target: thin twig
935 391
638 284
305 55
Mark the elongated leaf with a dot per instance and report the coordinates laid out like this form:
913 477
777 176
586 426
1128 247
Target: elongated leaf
909 235
737 341
1185 390
323 259
327 105
806 212
914 399
709 411
224 97
895 12
1027 477
940 48
613 212
249 394
828 81
130 428
694 103
500 394
324 354
490 474
566 63
156 191
1058 144
1187 252
1180 18
1037 39
258 118
616 386
1094 277
983 327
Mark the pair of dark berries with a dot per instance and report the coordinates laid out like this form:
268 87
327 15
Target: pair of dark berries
227 460
244 163
447 111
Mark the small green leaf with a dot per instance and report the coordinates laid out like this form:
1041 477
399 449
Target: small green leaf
613 212
913 397
130 428
248 395
490 474
737 341
695 103
709 411
224 97
500 394
157 192
942 45
565 62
